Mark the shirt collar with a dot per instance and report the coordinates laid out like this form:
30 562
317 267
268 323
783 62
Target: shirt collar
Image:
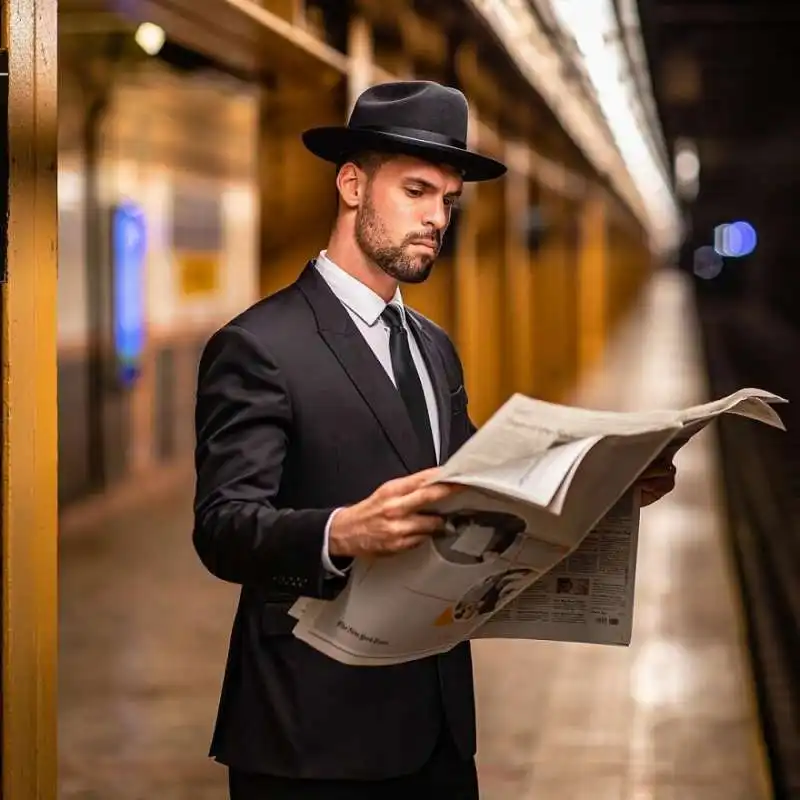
358 297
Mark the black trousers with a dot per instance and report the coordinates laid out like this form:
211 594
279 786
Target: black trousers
446 776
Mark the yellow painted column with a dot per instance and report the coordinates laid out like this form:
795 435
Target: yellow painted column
468 312
29 428
434 297
483 325
550 264
612 281
362 60
297 190
471 331
593 287
568 282
518 305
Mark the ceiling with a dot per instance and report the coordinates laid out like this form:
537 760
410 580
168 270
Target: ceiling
723 75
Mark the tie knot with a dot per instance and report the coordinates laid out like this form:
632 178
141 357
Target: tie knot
393 317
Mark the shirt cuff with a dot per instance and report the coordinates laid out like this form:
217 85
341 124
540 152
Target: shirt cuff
326 558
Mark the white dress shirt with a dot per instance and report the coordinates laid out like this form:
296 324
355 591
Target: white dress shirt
365 308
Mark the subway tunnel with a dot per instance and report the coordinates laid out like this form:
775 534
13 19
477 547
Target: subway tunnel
605 270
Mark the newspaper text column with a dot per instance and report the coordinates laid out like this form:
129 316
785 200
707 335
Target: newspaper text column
28 284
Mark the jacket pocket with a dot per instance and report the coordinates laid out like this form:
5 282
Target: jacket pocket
458 401
276 620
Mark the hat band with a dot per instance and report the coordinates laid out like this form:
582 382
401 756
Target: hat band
414 133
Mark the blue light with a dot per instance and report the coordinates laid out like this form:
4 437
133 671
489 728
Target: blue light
746 239
129 251
735 239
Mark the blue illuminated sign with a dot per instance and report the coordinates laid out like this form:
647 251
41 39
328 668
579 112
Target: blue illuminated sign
128 253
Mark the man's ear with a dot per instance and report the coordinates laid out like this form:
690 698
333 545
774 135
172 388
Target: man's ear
350 183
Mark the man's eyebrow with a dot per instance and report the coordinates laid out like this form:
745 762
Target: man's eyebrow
433 187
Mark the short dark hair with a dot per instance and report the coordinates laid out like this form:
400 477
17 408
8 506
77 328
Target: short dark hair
369 160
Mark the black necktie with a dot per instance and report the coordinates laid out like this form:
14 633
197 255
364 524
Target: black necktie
407 378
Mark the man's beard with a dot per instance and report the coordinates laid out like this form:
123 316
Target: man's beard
395 260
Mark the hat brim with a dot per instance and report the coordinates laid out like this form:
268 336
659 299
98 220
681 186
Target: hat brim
335 144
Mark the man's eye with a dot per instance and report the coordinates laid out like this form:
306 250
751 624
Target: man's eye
414 192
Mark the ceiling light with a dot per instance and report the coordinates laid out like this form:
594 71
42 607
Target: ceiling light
610 122
150 38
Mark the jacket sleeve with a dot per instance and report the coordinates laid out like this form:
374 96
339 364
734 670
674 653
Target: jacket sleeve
243 421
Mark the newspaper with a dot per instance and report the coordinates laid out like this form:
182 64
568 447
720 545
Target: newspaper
540 543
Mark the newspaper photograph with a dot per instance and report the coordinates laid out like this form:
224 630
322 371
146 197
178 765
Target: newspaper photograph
588 596
540 543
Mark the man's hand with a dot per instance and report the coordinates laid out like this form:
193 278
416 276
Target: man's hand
388 521
657 480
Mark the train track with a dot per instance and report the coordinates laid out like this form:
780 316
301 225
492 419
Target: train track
761 473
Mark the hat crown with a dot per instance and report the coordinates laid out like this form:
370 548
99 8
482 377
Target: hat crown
416 105
423 119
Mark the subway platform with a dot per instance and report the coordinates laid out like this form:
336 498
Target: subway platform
144 633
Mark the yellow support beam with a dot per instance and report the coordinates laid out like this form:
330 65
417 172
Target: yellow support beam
518 304
480 329
549 267
593 297
29 422
297 192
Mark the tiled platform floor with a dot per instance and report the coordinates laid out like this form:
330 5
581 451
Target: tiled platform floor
671 717
144 633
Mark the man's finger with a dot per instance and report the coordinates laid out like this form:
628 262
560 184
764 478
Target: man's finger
409 483
657 484
423 524
655 489
426 495
647 499
658 469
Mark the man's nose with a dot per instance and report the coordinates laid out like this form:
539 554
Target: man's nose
437 216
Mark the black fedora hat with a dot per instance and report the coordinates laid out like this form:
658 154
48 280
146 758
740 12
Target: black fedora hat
418 118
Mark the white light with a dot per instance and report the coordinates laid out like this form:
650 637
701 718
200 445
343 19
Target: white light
687 165
622 145
70 188
719 239
687 168
662 675
150 38
594 28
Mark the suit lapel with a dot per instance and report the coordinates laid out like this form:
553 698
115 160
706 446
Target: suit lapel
436 369
364 370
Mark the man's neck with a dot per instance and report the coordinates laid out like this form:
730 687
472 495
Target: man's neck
348 256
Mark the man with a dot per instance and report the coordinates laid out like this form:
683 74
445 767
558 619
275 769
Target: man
321 412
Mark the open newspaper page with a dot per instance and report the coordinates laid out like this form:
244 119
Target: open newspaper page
540 483
588 596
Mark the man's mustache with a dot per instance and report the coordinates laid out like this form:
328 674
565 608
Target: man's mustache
434 239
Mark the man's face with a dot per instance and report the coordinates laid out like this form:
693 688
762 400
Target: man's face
404 214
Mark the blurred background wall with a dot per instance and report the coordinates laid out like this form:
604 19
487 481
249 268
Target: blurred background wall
190 119
183 149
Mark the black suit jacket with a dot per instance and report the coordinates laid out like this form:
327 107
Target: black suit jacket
295 416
